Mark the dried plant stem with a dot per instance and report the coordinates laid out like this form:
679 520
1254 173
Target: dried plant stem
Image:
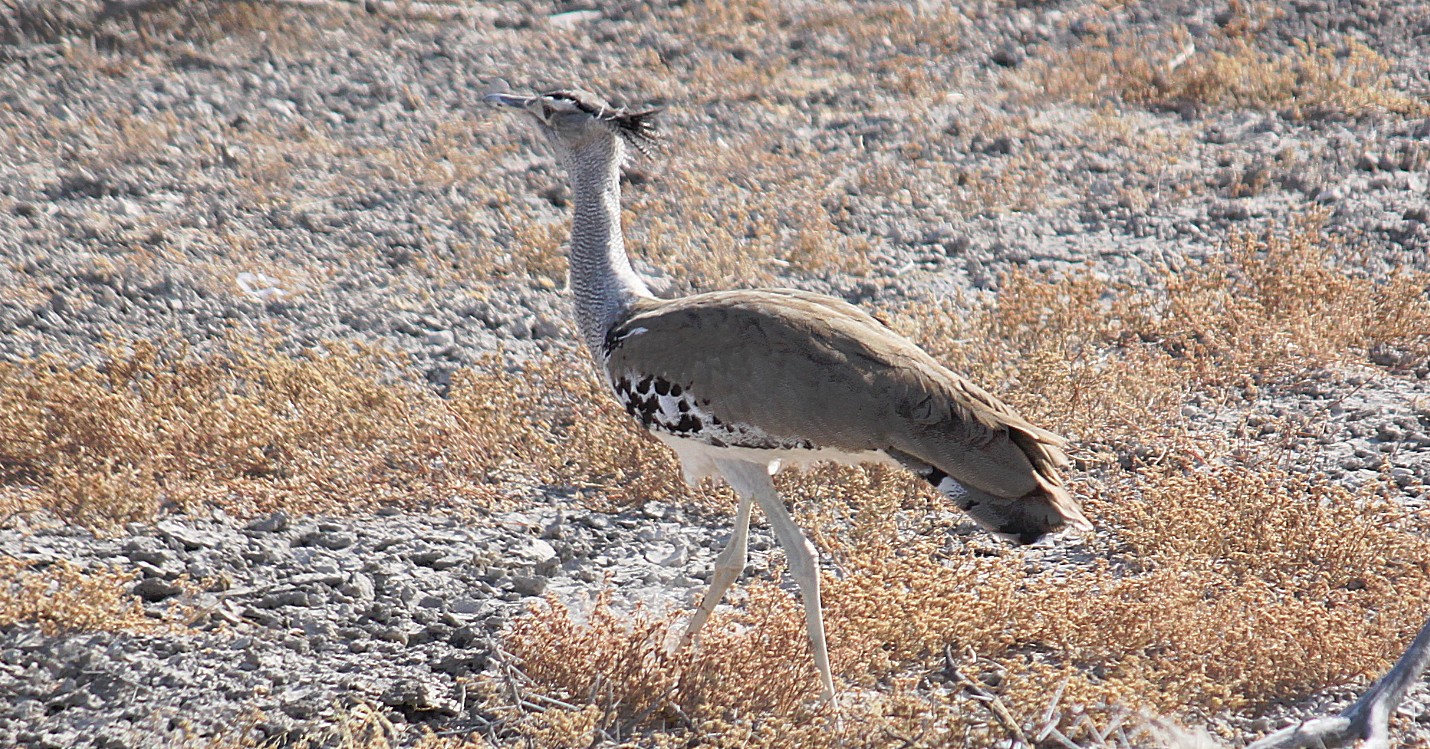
987 699
1368 720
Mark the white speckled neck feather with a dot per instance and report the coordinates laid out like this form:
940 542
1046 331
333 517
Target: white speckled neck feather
602 280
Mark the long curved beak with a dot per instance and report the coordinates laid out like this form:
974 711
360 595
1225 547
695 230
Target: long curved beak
500 93
510 100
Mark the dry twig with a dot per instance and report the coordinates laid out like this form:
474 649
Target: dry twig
1368 720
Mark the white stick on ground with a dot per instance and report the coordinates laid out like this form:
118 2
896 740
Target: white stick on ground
1368 720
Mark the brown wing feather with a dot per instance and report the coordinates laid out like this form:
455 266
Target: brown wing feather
808 366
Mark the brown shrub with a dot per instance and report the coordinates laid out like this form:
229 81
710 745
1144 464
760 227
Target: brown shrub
1104 361
1233 72
628 667
248 428
63 598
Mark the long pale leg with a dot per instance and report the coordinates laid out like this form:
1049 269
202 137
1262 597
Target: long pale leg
728 567
753 479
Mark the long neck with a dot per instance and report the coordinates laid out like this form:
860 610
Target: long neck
602 279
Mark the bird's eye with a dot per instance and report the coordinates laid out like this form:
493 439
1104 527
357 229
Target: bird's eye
547 111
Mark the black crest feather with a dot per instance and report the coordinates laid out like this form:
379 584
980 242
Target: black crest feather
639 129
636 127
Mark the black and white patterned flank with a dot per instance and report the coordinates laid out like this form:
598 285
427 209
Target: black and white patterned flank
664 406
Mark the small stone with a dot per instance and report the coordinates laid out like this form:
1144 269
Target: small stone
528 586
667 555
286 598
536 553
358 586
304 705
392 634
465 606
274 523
418 695
334 541
677 558
595 522
437 559
154 589
82 698
1390 433
462 664
156 557
190 538
468 636
1009 56
545 327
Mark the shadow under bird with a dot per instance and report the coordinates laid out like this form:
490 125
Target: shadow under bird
742 383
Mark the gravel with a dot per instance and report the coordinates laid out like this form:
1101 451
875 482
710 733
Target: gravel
296 618
336 180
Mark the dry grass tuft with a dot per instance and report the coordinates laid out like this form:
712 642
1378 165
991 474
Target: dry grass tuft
625 664
204 22
63 598
153 24
1231 72
899 48
1261 584
540 420
249 429
1105 361
1275 304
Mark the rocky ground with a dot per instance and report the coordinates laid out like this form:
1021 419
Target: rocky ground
320 171
316 614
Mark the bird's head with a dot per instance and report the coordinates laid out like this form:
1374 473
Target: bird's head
574 120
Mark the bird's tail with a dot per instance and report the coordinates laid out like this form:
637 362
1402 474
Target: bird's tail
1022 519
1048 508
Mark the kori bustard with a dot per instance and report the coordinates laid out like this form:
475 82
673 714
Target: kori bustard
741 383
